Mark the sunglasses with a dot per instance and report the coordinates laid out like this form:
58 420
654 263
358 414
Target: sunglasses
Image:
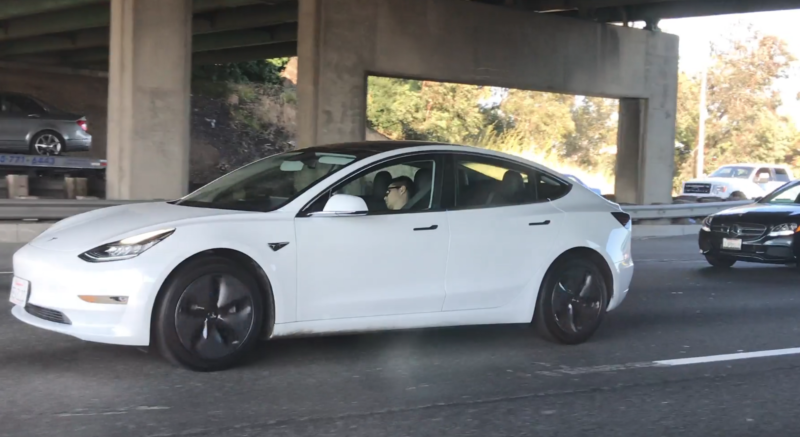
388 190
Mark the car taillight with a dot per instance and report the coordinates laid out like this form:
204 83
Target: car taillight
83 125
623 218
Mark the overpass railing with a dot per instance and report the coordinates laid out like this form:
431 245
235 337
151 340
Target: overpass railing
57 209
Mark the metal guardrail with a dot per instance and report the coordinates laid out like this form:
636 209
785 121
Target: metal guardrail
57 209
51 209
684 210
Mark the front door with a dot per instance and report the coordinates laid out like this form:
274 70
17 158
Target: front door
502 229
387 262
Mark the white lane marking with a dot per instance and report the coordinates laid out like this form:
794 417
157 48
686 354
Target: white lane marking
729 357
565 370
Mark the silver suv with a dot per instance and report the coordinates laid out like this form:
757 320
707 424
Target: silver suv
28 125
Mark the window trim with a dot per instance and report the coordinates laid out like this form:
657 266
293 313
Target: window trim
438 181
453 181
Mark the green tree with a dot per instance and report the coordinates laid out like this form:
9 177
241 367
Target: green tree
425 110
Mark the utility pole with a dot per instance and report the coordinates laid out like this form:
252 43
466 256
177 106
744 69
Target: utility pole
701 130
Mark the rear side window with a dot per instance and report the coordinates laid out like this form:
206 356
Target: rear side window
486 183
23 105
781 175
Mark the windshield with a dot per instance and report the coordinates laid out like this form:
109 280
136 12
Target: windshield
270 183
788 194
733 172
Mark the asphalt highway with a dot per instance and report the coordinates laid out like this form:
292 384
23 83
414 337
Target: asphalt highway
683 356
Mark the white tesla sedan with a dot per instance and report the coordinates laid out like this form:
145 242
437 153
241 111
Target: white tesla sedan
352 237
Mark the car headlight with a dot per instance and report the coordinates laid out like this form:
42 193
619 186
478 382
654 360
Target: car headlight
783 230
720 189
127 248
707 224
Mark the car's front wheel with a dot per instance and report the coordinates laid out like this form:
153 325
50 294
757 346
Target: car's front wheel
720 261
209 315
572 301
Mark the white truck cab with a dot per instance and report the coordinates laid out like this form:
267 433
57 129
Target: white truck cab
739 181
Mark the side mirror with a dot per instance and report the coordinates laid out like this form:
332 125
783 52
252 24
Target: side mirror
343 205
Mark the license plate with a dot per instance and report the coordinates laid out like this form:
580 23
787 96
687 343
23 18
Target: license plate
732 243
19 291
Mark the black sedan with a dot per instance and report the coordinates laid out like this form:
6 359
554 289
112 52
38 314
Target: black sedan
767 231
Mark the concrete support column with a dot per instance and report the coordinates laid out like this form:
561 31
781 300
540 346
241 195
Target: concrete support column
646 135
148 99
629 144
331 81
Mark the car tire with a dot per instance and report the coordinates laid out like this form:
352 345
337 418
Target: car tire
720 261
209 315
737 195
560 297
50 137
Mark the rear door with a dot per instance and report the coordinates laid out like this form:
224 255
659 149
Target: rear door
502 229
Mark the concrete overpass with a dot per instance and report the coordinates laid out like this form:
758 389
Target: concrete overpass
146 48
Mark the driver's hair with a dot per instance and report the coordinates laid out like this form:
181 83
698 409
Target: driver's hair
404 181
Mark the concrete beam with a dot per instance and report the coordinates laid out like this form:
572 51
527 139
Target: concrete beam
245 18
21 8
79 40
686 9
56 22
212 42
269 51
244 38
237 16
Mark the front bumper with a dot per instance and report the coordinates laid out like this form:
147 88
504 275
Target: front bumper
58 278
769 250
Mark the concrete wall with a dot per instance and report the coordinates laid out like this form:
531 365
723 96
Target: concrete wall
73 92
341 42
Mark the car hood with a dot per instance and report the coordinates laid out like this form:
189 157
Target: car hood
762 213
91 229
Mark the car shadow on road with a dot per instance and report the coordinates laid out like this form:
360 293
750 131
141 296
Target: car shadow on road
763 275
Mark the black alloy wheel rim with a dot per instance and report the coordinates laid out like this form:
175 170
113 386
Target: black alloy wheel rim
214 316
577 301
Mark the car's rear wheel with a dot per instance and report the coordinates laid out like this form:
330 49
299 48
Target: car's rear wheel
47 143
720 261
209 315
572 301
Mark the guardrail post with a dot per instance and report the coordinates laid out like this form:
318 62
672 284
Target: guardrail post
17 186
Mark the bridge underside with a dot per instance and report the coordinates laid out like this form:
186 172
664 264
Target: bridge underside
140 53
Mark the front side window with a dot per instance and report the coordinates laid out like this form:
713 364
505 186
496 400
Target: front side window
400 185
484 182
789 194
270 183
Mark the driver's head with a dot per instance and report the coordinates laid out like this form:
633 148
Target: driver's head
399 192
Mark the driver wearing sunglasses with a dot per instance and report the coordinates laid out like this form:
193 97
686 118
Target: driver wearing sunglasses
399 192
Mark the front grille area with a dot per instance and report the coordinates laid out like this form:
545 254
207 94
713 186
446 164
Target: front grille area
697 188
745 231
47 314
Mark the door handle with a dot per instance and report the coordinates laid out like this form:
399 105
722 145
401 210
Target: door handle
544 223
429 228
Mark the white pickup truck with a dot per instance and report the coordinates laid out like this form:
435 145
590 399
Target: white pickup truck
739 181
